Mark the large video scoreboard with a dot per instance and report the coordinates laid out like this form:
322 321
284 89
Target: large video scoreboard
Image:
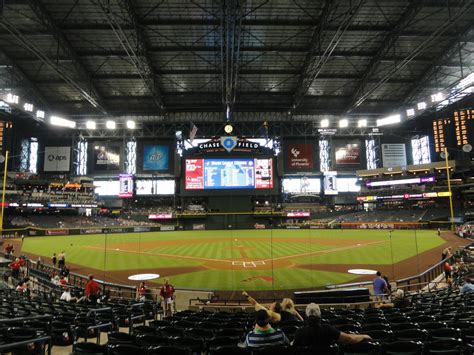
455 131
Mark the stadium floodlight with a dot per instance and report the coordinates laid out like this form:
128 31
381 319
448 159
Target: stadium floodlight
410 112
467 81
110 124
362 123
13 99
343 123
437 97
62 122
40 114
324 123
131 124
28 107
91 125
389 120
421 105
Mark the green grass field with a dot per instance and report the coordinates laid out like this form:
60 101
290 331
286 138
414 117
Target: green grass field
232 260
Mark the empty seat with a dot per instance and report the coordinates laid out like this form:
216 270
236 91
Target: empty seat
403 347
361 348
381 335
445 347
89 349
411 335
445 333
230 350
169 350
124 349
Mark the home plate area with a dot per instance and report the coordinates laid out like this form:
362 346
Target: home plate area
247 264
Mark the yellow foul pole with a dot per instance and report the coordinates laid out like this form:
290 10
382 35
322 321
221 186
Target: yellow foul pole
449 188
3 191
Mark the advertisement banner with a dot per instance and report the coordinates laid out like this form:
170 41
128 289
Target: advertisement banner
106 157
126 186
57 231
300 157
141 229
156 157
194 174
57 158
348 154
259 226
167 228
91 231
199 227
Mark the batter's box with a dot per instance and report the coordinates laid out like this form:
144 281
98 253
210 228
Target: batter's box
247 264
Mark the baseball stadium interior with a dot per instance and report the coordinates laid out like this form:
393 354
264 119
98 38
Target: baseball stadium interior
219 177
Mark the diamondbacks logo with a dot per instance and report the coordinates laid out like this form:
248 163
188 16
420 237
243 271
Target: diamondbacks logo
229 143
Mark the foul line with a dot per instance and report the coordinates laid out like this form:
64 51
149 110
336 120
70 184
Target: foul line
327 251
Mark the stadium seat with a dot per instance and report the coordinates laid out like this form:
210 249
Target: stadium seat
89 349
168 350
229 350
402 326
361 348
411 335
375 326
332 350
124 349
151 340
444 347
222 341
380 335
445 333
273 350
403 348
120 338
195 344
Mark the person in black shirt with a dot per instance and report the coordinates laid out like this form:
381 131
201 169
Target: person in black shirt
318 334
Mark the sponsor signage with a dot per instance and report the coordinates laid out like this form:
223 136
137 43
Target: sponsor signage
330 183
229 144
298 214
57 158
348 154
57 231
300 157
160 216
167 228
199 227
156 158
57 205
87 205
106 157
293 227
33 204
74 185
126 185
404 196
141 229
259 226
91 231
422 180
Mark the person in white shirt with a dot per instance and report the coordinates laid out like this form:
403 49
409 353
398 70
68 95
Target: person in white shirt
66 296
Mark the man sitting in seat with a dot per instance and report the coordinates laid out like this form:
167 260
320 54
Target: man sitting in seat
263 334
317 334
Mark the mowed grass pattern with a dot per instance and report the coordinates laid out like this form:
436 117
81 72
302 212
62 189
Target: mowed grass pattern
215 251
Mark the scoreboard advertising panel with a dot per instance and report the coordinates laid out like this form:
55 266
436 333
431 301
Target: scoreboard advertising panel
224 173
156 157
347 154
299 156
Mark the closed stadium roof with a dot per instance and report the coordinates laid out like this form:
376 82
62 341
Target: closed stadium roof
144 57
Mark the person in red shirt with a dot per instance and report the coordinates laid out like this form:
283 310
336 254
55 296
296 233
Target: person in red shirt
447 272
167 297
141 292
9 249
92 290
15 267
62 281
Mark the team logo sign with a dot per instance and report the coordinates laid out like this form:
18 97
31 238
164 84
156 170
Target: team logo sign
229 143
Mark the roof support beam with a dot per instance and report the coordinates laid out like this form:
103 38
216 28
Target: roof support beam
90 93
448 54
362 93
230 30
316 58
137 50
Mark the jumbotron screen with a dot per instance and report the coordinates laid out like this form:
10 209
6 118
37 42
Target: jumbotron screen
238 173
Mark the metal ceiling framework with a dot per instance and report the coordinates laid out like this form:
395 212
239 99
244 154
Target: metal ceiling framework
289 58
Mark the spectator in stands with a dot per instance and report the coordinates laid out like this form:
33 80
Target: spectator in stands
263 334
62 281
447 272
66 296
64 272
288 311
468 287
39 262
273 310
398 301
61 260
92 290
54 259
389 287
15 268
9 249
167 297
141 292
380 287
322 335
447 253
22 262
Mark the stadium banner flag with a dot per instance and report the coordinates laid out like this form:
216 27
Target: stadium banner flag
57 158
347 154
300 156
192 132
156 157
394 155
